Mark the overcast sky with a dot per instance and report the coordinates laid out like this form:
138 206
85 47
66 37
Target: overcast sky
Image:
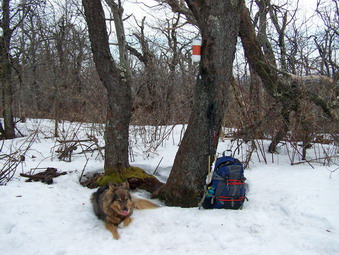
139 7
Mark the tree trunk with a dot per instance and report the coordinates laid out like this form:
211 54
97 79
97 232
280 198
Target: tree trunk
281 134
114 78
5 72
117 80
219 23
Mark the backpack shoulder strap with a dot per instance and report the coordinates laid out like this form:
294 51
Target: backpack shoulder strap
217 177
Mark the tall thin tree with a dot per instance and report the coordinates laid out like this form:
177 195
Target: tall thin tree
5 71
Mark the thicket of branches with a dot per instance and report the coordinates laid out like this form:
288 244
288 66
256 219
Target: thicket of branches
53 75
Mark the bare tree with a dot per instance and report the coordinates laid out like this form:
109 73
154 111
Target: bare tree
8 25
286 88
12 18
166 74
219 23
327 41
117 80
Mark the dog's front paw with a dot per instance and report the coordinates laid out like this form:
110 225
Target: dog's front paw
113 229
127 221
116 236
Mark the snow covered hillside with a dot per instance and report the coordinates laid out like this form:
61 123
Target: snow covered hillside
291 209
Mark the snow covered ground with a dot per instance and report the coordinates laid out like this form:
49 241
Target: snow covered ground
291 209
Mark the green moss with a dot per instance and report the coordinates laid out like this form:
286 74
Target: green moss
113 175
136 172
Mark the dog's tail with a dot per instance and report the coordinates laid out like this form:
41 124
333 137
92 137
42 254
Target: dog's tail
143 204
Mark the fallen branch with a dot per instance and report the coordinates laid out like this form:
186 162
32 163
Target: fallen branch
313 160
45 177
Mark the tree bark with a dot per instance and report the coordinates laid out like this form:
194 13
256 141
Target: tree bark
115 78
219 23
5 72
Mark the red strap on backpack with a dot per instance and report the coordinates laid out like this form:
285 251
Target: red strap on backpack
229 199
234 182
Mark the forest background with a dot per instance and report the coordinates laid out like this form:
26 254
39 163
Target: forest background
47 69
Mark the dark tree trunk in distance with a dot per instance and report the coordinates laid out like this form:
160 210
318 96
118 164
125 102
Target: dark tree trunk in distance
5 72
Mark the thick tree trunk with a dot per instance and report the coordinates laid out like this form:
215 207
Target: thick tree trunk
118 89
117 80
219 23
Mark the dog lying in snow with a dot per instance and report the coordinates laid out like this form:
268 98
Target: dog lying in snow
114 205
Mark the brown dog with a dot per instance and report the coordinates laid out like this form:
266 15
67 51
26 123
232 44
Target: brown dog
113 204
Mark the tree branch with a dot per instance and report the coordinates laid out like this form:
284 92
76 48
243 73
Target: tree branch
273 83
180 7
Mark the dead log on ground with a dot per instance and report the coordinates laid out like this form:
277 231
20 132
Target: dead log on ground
45 177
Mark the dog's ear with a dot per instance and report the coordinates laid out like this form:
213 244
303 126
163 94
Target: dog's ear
125 185
112 186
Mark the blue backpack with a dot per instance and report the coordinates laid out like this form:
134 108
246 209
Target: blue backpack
227 188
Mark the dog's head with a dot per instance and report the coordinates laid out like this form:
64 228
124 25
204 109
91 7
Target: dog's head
121 199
